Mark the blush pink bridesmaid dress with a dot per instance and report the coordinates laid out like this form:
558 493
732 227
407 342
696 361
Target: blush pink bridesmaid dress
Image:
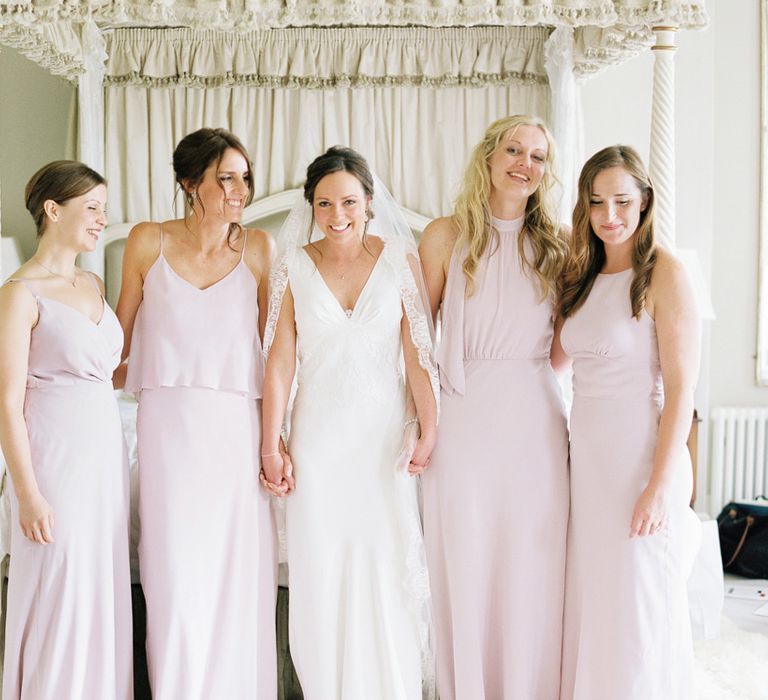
68 630
207 550
496 493
627 632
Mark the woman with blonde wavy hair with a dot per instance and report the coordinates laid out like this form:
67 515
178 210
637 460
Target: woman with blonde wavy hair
632 330
497 570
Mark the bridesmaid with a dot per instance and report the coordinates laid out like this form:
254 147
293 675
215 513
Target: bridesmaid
68 632
193 303
632 330
496 498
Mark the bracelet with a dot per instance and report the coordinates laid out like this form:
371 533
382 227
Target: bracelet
411 421
271 454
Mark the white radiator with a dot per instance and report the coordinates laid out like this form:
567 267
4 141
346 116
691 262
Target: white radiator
739 466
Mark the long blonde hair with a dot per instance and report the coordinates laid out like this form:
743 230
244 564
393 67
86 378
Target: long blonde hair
587 255
472 211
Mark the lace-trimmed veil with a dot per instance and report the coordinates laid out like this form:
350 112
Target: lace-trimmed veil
401 254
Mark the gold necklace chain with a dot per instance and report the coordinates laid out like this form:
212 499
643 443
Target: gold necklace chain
57 274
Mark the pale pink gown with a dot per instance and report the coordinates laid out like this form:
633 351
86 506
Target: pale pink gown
627 632
207 550
68 631
496 493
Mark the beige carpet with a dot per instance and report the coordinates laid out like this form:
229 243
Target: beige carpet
734 666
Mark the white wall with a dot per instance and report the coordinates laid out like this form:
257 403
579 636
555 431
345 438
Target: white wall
717 134
718 129
36 127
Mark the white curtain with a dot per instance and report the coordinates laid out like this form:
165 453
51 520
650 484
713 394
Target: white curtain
422 99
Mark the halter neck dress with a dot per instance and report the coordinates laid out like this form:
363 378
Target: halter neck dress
627 631
207 550
68 630
496 494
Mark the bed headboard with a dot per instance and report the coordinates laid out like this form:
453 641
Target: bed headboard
267 213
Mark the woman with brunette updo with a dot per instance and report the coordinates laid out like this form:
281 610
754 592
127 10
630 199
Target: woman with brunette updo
192 304
345 303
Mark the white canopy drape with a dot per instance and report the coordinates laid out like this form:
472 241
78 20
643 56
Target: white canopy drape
414 101
606 31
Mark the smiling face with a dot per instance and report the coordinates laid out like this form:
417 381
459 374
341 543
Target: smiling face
224 189
79 220
519 162
339 206
615 207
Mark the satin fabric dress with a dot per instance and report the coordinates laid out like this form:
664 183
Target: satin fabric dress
207 551
352 522
496 493
68 629
627 630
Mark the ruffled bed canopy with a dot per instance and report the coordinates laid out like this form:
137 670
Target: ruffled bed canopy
413 82
606 32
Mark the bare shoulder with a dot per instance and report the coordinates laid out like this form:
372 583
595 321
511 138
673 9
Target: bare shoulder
438 240
668 271
97 281
670 285
145 233
375 244
143 245
259 243
17 299
440 232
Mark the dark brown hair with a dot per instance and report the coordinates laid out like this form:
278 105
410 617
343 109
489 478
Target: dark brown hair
195 153
339 159
59 181
587 255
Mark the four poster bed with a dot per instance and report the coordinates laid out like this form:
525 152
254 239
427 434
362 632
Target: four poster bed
411 84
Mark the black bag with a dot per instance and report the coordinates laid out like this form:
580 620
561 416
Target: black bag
744 538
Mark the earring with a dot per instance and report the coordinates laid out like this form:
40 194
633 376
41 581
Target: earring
193 195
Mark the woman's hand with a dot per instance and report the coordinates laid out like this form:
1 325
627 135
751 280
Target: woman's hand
276 473
421 455
36 518
651 512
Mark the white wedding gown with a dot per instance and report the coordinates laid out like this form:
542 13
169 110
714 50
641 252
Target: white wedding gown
357 585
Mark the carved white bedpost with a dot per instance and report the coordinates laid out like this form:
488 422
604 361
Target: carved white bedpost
662 161
90 98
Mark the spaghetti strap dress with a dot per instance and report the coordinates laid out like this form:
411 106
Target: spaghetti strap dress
207 551
68 629
627 631
496 493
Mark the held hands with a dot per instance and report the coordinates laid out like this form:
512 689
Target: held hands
651 512
421 454
36 519
276 473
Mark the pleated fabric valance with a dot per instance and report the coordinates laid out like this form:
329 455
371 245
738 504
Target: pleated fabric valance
606 32
326 58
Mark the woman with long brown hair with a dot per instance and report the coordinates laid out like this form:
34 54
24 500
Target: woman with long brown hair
631 327
496 496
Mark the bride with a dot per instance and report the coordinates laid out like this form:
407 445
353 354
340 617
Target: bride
346 303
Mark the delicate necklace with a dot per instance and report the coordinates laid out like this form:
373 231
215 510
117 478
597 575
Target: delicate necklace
352 261
57 274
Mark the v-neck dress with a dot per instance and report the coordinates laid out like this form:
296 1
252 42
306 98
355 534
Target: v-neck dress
207 550
68 630
353 631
